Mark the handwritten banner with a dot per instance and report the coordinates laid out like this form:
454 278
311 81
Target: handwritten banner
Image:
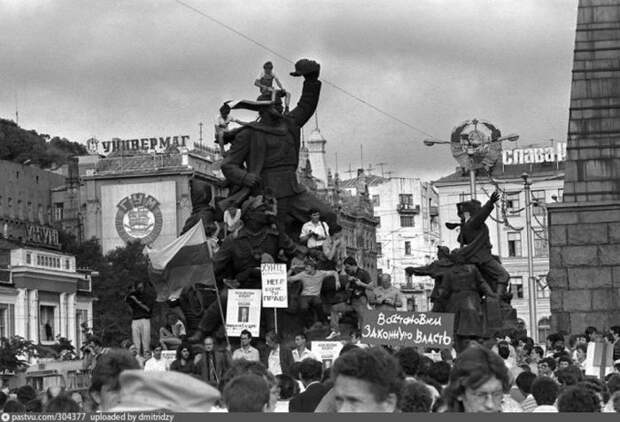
423 329
274 287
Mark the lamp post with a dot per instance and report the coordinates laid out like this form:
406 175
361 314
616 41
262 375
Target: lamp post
531 284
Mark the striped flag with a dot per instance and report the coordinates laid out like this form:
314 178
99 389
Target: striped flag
182 263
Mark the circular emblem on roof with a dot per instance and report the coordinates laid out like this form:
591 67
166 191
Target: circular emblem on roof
139 218
473 146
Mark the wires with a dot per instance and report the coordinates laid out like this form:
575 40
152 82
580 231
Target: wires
275 53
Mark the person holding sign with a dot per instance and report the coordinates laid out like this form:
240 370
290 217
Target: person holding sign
310 298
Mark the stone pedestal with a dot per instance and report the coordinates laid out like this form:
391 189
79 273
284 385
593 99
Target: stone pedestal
584 276
584 230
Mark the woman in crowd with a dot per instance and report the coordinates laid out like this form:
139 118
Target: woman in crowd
184 361
478 382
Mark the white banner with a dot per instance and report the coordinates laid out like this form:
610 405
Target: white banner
169 356
275 293
243 311
326 352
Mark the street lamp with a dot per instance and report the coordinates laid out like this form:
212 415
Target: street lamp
530 258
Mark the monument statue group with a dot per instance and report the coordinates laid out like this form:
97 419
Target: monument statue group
260 168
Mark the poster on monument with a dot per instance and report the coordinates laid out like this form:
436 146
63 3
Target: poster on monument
243 311
274 285
138 211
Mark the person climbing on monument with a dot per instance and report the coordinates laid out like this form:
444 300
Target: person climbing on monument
222 123
265 81
265 155
476 245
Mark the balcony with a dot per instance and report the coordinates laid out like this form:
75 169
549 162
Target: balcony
84 285
405 208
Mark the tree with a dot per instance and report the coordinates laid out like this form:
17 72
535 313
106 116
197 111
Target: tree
14 353
123 267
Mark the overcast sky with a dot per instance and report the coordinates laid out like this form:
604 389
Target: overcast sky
119 68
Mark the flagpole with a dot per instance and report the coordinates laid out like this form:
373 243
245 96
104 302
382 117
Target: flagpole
275 319
217 290
219 306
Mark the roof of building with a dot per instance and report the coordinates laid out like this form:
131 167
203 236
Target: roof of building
370 179
513 171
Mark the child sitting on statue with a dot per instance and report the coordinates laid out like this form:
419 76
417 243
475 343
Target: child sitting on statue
265 81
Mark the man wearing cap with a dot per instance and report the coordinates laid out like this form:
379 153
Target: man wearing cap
265 155
474 237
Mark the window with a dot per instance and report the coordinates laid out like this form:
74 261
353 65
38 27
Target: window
516 287
406 221
379 251
46 320
58 211
538 202
514 244
7 323
560 194
376 200
67 264
542 288
405 199
544 328
464 197
541 248
28 258
512 201
30 211
407 248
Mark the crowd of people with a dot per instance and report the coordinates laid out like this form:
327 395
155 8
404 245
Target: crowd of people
499 375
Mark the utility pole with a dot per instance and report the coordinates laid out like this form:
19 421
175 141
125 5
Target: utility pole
200 137
530 258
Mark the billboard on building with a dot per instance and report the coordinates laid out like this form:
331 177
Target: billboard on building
138 211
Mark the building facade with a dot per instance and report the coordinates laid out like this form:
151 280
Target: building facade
507 223
408 229
144 195
42 293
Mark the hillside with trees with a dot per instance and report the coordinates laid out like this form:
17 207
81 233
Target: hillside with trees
20 145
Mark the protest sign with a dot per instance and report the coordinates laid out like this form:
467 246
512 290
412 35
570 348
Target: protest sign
168 356
423 329
243 311
274 287
599 359
326 352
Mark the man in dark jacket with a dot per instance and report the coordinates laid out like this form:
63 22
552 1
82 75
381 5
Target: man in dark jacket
264 156
211 364
277 358
310 372
474 238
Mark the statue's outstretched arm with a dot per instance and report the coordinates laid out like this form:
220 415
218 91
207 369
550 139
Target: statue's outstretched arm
306 106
